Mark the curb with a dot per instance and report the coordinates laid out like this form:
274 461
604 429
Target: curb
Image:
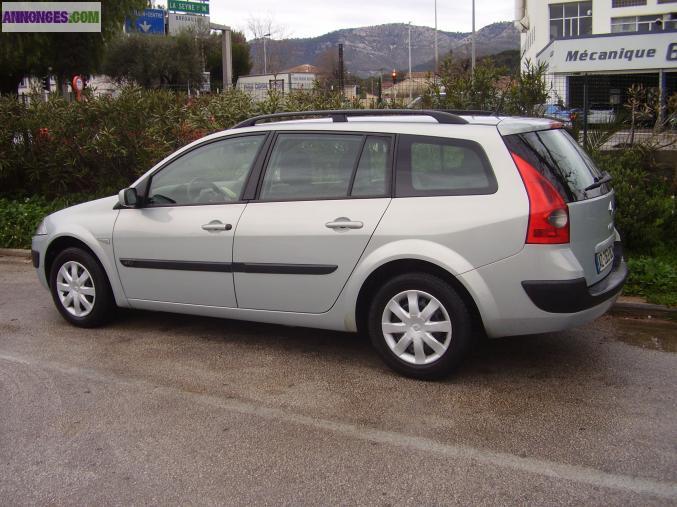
642 310
622 306
15 252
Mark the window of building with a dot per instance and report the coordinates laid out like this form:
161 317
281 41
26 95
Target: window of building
650 23
634 24
627 3
570 19
667 1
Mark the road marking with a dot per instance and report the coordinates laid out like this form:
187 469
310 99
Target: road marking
552 469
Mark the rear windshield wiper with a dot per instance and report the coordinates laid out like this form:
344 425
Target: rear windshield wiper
605 177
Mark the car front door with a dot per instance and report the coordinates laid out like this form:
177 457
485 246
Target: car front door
320 199
178 246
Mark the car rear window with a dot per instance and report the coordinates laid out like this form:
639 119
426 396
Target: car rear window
441 166
558 157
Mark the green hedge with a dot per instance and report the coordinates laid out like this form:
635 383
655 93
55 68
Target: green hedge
19 218
646 215
97 146
654 278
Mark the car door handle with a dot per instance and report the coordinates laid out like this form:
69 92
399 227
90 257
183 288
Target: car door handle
343 223
216 225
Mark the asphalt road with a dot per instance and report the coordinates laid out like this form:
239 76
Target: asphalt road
166 409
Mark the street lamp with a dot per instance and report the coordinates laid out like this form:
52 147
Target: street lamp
472 41
265 56
437 55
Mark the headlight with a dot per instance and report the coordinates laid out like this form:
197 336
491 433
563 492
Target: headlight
42 229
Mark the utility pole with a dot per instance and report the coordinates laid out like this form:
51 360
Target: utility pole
340 70
437 54
265 56
472 41
410 76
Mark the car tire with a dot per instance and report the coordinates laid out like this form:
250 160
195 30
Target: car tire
429 344
80 288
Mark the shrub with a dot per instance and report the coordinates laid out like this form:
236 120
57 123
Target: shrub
20 218
645 210
100 145
654 278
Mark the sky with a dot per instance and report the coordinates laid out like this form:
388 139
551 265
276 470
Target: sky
309 18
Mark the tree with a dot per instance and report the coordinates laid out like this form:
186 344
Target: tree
276 44
327 62
66 54
529 90
463 90
213 49
154 62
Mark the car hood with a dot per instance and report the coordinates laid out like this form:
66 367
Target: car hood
88 214
98 205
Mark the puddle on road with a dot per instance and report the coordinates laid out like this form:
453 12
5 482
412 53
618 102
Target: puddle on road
648 334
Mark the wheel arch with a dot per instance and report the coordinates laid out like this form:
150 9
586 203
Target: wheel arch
63 241
404 266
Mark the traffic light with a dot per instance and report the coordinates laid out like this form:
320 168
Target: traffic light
394 74
46 83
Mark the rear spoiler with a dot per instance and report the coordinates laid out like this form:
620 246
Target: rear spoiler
509 126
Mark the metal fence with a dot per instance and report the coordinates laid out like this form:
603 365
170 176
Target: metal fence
616 109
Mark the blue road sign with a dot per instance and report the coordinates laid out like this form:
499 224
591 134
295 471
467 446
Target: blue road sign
151 21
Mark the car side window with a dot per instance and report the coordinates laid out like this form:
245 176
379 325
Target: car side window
311 166
210 174
442 166
372 171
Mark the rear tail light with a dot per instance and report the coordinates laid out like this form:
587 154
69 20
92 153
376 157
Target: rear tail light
548 213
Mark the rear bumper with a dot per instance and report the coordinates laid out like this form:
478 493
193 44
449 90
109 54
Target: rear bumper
571 296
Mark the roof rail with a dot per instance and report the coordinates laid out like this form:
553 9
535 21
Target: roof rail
470 112
342 115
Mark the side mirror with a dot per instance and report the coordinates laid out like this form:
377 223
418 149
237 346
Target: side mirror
128 198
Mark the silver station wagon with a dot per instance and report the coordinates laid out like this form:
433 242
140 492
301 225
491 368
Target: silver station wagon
422 229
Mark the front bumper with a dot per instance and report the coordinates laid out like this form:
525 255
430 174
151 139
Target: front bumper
571 296
38 250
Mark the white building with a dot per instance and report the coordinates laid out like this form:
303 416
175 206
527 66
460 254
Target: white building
258 85
611 44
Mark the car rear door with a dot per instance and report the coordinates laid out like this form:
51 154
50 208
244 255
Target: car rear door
557 156
320 198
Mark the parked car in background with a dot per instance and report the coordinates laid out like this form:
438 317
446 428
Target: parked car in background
566 116
421 229
601 114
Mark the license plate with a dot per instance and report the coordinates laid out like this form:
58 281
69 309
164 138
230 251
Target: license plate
604 258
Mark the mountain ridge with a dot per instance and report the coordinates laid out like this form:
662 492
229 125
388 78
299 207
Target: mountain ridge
371 49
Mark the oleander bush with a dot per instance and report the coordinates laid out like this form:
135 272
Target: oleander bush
97 146
645 204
